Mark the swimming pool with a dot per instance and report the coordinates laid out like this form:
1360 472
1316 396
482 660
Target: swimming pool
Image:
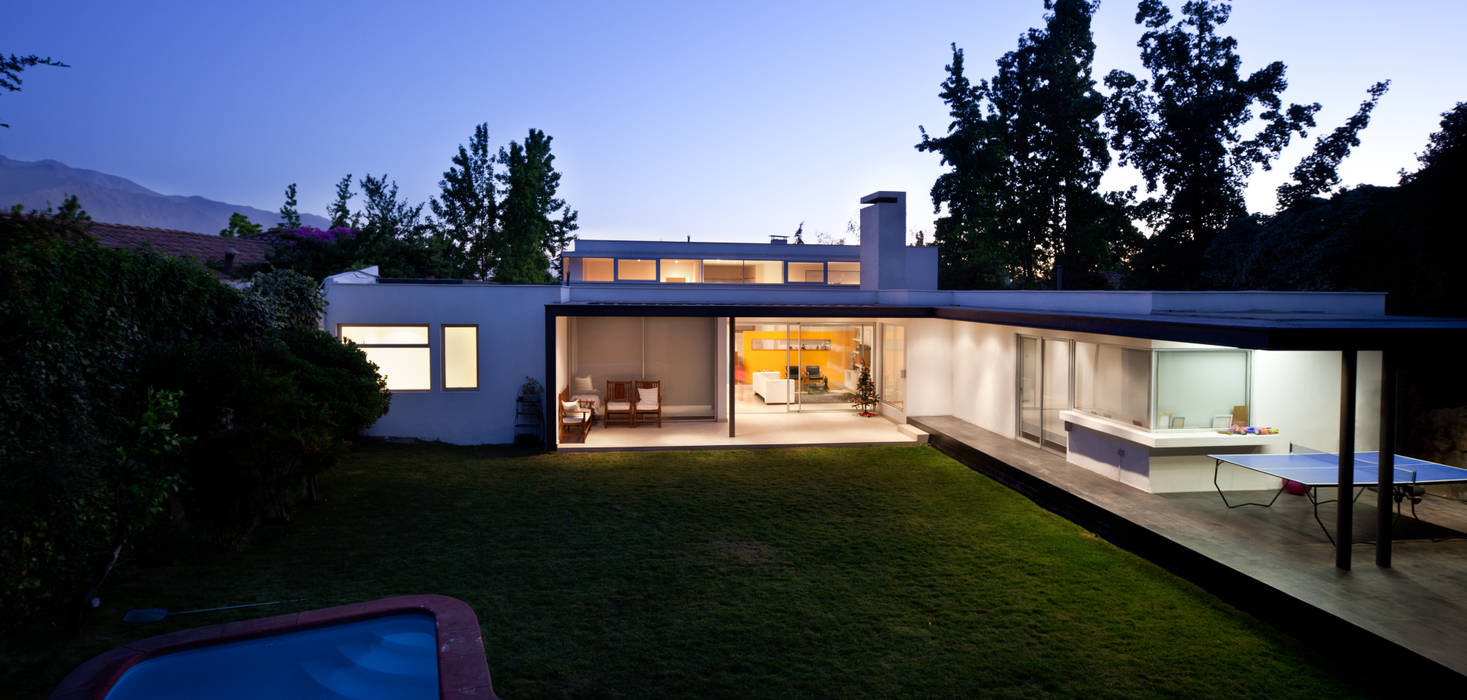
385 657
425 646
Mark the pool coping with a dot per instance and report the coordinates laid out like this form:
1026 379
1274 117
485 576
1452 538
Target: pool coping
463 670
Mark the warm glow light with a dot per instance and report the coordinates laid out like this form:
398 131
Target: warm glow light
460 357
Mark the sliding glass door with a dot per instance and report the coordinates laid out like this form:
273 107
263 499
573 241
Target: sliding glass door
1045 387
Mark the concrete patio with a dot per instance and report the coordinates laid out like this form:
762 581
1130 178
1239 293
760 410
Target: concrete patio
752 430
1274 562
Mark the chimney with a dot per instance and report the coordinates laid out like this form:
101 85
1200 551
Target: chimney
775 239
884 240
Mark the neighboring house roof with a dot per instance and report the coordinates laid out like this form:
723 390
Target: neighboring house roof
185 244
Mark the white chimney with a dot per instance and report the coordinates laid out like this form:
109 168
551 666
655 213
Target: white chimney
884 240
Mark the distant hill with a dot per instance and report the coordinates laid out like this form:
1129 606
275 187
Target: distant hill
118 200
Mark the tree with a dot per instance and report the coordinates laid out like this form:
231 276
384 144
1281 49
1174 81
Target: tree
1445 159
239 226
1183 130
1027 154
1318 172
340 210
865 397
534 223
12 65
466 208
395 235
290 217
800 234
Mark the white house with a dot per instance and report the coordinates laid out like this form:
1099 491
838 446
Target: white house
1135 385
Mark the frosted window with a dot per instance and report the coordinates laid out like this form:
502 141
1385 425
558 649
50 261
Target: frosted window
405 369
596 269
845 273
1194 386
681 270
1113 382
807 272
385 335
460 357
639 270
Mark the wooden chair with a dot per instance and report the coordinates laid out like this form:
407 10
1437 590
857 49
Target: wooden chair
576 422
642 408
620 403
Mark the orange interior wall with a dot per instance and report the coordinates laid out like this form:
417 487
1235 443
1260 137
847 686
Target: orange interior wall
831 362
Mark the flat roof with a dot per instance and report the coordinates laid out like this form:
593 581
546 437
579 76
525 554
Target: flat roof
1254 330
688 249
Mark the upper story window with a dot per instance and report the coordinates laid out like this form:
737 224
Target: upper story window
807 272
597 269
845 272
636 270
723 271
681 271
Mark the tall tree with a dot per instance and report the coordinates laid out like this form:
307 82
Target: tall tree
12 65
340 209
1184 131
290 217
535 225
1318 173
466 208
239 226
1027 155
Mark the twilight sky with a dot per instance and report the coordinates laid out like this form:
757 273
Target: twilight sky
720 121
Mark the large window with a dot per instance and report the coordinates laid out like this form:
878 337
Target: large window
764 271
596 270
1200 388
400 353
636 270
807 272
894 365
845 273
681 270
1113 382
460 358
723 271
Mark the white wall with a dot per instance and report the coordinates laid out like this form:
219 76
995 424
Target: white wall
1299 393
511 347
983 367
929 366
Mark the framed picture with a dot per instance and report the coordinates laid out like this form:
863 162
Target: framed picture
1163 420
1222 420
1179 422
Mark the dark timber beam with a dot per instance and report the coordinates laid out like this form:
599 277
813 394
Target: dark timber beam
551 429
1387 478
1344 519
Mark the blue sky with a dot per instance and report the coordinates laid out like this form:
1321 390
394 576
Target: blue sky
720 121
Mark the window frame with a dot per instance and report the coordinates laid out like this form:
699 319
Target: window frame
443 357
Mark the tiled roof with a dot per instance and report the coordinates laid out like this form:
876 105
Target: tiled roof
183 244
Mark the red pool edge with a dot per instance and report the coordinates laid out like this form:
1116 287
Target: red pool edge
463 671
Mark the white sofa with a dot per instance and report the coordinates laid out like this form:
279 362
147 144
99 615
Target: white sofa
770 387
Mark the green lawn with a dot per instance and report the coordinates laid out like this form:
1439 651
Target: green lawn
877 572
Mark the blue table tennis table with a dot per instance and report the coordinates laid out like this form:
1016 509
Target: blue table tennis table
1321 469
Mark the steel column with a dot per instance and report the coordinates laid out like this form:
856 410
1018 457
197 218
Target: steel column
1387 477
732 386
1344 518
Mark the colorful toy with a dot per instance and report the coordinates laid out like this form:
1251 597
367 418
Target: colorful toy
1251 430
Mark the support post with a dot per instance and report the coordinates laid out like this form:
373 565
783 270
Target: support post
551 429
732 385
1387 479
1344 518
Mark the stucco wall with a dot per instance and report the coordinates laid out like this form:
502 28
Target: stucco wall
1299 393
511 347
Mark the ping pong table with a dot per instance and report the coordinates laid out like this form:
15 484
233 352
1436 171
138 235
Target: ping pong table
1321 469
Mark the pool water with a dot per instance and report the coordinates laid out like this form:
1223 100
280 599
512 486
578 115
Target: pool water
385 657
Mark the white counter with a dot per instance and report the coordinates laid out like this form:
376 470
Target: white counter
1162 461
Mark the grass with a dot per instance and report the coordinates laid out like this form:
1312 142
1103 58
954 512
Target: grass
877 572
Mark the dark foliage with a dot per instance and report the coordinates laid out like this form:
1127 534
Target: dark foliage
1318 172
11 67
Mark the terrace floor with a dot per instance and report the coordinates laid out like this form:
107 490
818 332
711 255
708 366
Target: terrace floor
752 430
1275 561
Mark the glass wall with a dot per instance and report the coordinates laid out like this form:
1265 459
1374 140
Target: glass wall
636 270
844 272
894 365
678 351
676 271
1046 369
1113 382
1200 388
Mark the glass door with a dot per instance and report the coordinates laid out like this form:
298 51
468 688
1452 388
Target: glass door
1046 368
825 363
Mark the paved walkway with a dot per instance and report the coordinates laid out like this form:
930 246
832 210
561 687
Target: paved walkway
1274 562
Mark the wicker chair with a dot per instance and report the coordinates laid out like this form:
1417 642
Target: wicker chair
574 423
642 409
620 401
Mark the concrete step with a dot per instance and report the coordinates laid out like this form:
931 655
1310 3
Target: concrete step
914 431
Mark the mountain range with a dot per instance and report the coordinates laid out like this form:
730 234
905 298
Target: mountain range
118 200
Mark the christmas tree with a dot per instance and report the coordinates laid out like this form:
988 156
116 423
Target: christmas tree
865 397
